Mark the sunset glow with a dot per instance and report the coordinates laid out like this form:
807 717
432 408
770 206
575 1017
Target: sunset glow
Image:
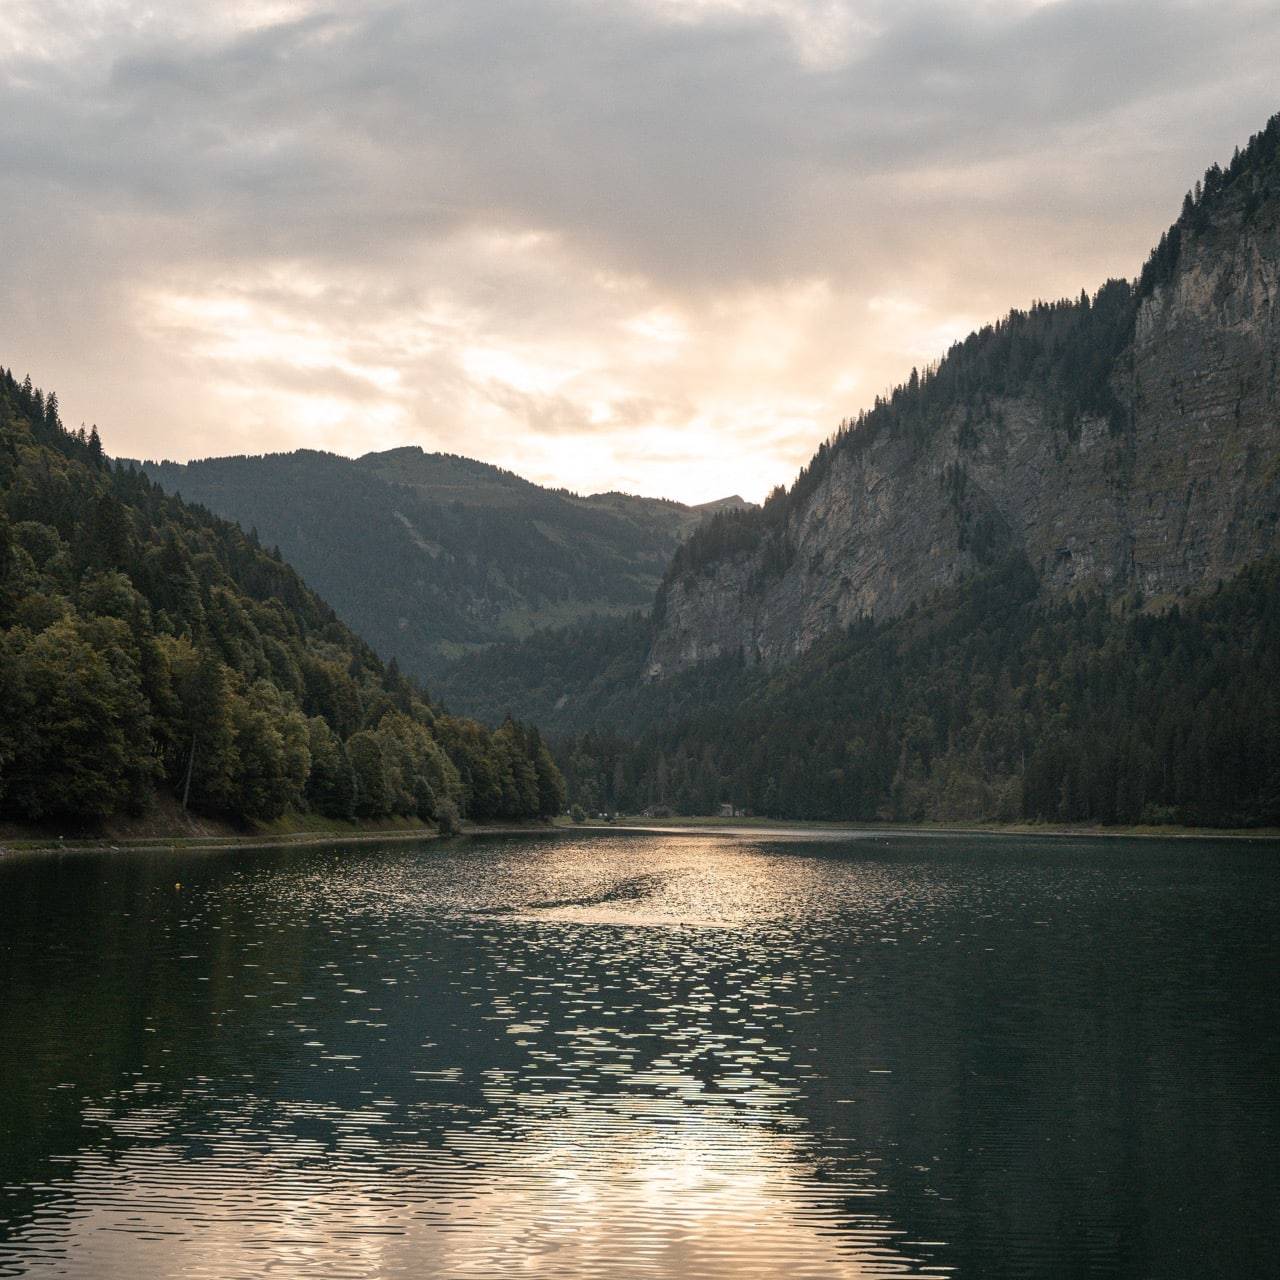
563 238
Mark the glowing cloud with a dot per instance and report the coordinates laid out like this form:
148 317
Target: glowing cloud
652 246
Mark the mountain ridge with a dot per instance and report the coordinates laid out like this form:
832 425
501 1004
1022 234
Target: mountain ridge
429 555
1038 581
1058 432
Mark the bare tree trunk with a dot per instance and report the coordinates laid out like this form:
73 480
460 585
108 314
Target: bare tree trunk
191 761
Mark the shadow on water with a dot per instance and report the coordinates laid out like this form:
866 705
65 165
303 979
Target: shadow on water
640 1055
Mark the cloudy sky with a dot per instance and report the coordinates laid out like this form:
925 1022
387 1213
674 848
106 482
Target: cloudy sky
655 245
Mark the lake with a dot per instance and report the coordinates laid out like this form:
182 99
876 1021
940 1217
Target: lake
615 1055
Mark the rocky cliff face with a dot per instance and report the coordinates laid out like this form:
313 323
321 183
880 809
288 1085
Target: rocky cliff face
1175 491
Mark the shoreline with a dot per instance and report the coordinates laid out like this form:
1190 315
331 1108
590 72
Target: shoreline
266 839
726 826
312 834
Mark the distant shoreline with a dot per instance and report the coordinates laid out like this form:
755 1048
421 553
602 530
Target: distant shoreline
1058 829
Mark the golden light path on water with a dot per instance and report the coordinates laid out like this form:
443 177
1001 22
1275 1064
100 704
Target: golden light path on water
577 1192
712 1056
662 1144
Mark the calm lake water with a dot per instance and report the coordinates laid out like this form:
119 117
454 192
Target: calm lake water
611 1056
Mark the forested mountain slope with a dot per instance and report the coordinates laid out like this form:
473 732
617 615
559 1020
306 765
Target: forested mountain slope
428 555
994 595
1126 441
147 645
989 703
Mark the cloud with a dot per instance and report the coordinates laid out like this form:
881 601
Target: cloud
653 245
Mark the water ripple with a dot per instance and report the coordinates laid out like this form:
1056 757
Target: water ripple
640 1056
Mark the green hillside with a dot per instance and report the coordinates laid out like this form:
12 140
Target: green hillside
428 556
147 646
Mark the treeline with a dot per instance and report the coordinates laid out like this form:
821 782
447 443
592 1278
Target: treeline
1250 177
986 706
147 645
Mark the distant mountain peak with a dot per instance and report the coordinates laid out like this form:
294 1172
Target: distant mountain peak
399 451
720 504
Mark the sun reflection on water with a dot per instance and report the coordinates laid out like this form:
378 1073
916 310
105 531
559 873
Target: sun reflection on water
681 1056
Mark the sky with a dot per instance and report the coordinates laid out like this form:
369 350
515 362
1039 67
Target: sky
662 246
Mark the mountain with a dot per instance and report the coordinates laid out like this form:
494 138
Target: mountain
148 648
428 555
1038 580
1124 442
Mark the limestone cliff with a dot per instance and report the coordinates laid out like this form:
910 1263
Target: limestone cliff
1130 441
